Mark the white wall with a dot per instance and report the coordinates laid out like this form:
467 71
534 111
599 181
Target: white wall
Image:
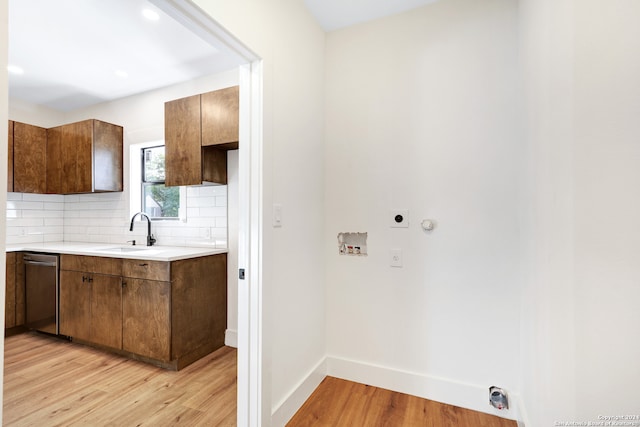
291 44
581 320
422 115
607 207
548 303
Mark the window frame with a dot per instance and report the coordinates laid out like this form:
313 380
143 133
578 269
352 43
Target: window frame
136 178
144 183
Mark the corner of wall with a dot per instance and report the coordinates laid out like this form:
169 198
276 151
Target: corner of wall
287 408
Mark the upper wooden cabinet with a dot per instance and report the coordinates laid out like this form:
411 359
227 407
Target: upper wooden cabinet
84 157
198 131
220 117
28 150
10 158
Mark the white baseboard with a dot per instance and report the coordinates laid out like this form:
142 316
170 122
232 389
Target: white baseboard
231 338
523 418
469 396
451 392
287 408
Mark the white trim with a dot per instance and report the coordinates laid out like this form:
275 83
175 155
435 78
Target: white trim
202 24
449 391
231 338
523 417
290 404
251 387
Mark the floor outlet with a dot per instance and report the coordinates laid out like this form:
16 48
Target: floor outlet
396 257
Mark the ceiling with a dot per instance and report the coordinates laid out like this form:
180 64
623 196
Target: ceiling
76 53
336 14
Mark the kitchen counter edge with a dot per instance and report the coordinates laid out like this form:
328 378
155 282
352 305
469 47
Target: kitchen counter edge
153 253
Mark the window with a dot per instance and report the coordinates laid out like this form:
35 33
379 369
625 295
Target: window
158 201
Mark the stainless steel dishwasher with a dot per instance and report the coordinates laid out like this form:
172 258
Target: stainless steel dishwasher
41 292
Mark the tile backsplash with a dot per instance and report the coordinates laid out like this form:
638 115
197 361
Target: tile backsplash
105 218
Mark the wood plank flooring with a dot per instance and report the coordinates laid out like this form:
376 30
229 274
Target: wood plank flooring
50 382
337 403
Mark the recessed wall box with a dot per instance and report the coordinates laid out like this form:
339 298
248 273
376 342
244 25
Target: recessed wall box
399 218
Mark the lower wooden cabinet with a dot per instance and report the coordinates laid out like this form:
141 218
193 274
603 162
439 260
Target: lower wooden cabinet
167 313
91 307
146 313
14 308
75 305
106 310
10 293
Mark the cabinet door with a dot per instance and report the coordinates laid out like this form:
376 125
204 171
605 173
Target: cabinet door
56 180
29 158
146 328
221 117
106 310
107 156
78 156
75 307
10 158
183 157
10 299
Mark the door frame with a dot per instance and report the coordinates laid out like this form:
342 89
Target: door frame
250 346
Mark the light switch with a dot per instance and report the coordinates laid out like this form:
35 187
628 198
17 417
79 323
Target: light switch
277 215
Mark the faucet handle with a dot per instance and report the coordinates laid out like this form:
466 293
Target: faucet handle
133 242
151 240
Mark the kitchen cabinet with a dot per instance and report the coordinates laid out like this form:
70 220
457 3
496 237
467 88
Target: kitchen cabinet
220 111
10 157
14 291
167 313
91 299
199 130
29 146
84 157
147 308
146 313
10 292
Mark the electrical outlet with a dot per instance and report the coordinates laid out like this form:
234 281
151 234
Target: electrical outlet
399 218
395 257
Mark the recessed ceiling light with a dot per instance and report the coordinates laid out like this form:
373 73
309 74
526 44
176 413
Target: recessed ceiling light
151 15
14 69
122 74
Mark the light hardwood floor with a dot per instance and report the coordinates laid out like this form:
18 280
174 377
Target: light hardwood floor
337 403
50 382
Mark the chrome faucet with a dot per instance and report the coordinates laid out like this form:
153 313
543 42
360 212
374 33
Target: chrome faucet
150 239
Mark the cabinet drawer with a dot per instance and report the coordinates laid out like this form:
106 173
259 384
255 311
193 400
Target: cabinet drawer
144 269
91 264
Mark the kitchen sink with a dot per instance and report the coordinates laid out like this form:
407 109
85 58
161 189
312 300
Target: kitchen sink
123 249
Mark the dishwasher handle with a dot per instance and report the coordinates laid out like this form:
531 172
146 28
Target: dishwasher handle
44 264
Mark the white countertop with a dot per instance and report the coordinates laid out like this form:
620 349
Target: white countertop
111 250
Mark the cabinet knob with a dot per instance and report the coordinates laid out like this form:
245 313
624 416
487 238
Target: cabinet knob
124 284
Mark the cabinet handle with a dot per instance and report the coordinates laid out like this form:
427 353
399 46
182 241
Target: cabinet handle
84 279
143 265
124 284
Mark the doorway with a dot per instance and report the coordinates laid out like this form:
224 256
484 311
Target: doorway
250 161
